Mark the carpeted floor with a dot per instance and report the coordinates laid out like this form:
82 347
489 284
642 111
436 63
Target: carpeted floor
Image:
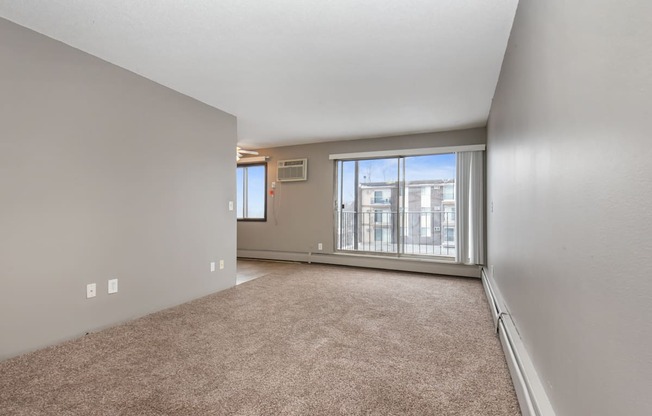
302 340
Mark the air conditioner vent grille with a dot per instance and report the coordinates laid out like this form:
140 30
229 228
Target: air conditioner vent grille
292 170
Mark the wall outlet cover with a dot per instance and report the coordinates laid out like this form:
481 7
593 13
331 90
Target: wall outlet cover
221 264
91 290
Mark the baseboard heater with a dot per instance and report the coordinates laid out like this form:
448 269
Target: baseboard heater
374 262
531 395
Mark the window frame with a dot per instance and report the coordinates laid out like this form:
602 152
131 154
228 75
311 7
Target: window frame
401 228
244 190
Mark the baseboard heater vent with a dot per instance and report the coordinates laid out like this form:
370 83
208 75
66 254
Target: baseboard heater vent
531 395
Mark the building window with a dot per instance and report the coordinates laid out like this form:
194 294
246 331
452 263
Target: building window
251 192
449 236
449 213
425 197
378 197
378 234
378 216
426 224
449 192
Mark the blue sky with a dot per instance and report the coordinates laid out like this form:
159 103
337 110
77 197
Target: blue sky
430 167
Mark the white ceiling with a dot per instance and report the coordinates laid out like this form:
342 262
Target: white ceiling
300 71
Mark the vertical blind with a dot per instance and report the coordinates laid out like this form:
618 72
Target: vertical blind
470 207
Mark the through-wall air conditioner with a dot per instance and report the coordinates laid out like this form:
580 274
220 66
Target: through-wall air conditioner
292 170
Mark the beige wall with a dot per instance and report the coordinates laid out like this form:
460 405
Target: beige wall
103 174
301 214
569 175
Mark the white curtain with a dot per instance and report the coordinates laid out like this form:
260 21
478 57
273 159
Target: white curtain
470 207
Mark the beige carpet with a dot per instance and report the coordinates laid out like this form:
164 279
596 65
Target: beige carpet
303 340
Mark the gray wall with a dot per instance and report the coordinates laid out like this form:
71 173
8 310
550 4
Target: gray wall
301 214
570 177
103 174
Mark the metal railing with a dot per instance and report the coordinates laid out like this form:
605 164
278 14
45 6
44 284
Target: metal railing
421 233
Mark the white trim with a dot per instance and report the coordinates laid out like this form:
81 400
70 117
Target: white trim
408 152
491 298
256 159
522 394
418 265
531 395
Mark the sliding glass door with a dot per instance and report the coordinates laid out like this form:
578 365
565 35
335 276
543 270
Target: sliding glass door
368 201
397 206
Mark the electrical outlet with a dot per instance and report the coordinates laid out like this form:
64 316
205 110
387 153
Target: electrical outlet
113 286
212 266
230 205
221 264
91 290
320 246
492 206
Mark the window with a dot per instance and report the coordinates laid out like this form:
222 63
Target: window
455 176
449 237
425 197
449 213
251 192
426 224
449 192
409 187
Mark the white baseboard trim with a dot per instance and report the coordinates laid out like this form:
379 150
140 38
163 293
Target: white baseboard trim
374 262
531 395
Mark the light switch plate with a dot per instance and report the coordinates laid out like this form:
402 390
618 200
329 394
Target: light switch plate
113 286
221 264
230 205
212 266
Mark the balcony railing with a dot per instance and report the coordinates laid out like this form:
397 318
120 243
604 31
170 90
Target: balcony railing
375 200
422 233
